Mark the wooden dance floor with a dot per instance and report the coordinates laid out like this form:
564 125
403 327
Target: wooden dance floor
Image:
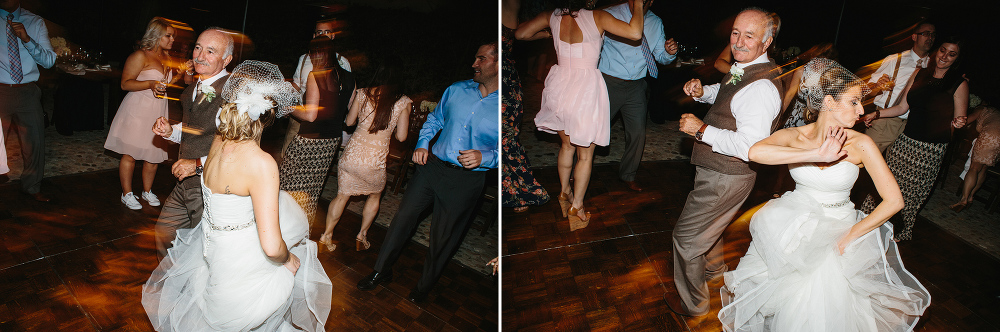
79 263
617 274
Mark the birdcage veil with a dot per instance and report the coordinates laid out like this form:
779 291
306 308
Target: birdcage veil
822 77
256 87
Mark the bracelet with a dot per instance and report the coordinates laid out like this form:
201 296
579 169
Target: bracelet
878 114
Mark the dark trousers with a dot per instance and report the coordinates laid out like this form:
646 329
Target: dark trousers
629 98
181 209
21 107
453 193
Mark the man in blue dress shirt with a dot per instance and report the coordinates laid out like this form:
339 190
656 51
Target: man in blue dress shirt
24 45
624 64
449 177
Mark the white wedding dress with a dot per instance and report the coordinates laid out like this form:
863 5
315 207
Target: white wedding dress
216 276
793 279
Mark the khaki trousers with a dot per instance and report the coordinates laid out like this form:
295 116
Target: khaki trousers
885 131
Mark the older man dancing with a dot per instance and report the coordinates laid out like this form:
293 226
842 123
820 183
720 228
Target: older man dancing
200 104
744 109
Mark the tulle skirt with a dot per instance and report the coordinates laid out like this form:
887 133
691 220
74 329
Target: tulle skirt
222 280
793 279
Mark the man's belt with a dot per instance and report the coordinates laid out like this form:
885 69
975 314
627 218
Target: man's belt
448 164
15 85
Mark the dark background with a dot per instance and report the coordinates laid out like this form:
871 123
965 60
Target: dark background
435 40
864 31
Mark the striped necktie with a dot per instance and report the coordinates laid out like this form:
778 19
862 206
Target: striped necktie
650 63
14 51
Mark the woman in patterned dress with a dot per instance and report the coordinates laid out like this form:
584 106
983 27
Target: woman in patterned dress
520 189
937 97
310 153
378 110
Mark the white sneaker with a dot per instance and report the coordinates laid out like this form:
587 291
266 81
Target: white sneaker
149 197
130 201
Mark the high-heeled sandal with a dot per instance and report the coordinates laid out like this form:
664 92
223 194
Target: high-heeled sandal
564 204
329 245
958 207
362 244
521 209
575 222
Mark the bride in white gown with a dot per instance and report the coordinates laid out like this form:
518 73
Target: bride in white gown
248 265
816 263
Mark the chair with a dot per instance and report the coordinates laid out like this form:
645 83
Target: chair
399 160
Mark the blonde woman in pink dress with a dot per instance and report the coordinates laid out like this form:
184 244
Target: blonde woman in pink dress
575 99
145 76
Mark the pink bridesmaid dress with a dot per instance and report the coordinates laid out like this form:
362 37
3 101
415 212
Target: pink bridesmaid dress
575 98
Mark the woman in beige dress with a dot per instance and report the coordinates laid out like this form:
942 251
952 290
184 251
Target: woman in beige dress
378 110
145 77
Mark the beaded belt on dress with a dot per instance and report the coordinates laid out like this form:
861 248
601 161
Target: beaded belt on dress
836 205
232 227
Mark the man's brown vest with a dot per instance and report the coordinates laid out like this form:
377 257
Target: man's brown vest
721 116
199 120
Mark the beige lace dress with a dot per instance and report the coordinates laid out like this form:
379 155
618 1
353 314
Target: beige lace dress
361 170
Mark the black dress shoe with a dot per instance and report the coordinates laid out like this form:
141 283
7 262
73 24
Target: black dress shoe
372 280
39 196
416 296
633 186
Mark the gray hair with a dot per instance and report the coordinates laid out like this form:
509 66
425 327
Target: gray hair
230 44
773 24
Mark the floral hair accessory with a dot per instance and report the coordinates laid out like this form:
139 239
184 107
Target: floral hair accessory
256 87
737 74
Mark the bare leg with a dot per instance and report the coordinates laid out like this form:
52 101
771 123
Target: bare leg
584 165
971 178
565 163
980 178
125 169
368 215
148 174
334 211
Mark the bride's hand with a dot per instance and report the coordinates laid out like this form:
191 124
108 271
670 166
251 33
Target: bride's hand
832 148
293 263
843 243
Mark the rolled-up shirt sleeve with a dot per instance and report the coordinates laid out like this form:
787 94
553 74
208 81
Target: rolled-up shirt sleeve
754 108
175 136
708 94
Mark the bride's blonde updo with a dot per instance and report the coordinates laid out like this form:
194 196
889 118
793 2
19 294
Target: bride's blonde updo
238 126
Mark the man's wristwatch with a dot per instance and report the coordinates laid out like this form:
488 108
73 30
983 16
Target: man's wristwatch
701 132
198 169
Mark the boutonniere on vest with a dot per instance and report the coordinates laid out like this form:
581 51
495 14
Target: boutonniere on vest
207 92
737 74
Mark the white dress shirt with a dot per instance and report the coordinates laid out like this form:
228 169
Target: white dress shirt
907 65
754 107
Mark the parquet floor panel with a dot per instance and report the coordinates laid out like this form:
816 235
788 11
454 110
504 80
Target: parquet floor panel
79 264
617 274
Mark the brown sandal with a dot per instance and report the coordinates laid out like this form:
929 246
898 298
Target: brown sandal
564 204
575 222
328 245
362 244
